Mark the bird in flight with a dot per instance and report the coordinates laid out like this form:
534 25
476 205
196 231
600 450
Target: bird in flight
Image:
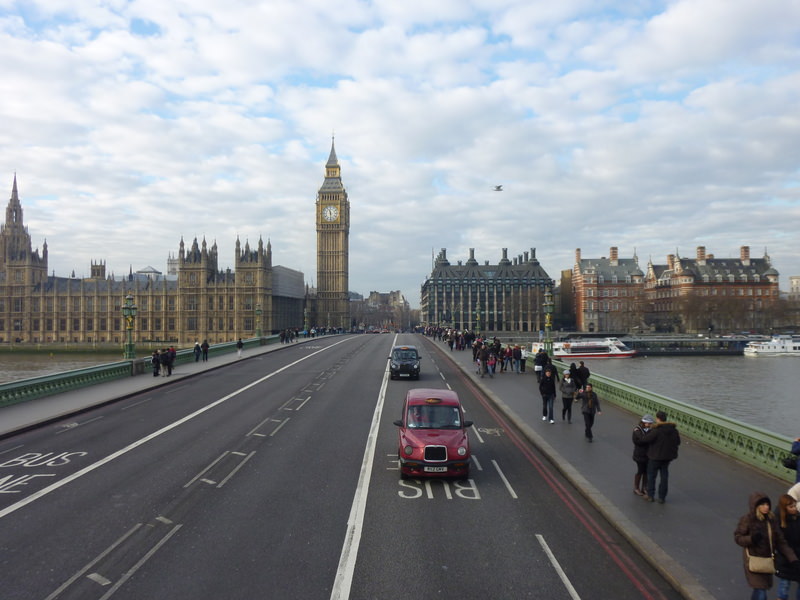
498 188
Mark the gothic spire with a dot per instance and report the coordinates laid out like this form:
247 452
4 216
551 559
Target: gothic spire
332 160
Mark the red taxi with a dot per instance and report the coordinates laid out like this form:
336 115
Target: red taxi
432 438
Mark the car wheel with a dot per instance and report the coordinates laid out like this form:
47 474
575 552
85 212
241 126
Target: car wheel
403 476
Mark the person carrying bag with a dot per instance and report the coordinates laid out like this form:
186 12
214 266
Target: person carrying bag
759 536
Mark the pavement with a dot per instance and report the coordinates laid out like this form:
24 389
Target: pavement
689 538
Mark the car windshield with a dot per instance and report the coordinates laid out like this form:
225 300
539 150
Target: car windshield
405 354
434 417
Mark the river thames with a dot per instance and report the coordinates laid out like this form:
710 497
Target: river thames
754 390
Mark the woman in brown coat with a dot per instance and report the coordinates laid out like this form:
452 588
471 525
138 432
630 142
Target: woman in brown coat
753 533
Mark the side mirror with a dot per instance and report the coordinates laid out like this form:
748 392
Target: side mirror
467 424
399 422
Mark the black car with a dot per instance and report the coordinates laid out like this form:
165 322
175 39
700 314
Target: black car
404 362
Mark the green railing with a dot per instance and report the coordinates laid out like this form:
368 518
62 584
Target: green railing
57 383
752 445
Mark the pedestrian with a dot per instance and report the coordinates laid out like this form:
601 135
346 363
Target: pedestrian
173 354
197 351
796 451
662 443
547 388
204 347
239 346
539 361
163 359
640 454
789 523
516 356
576 377
759 535
568 391
523 360
491 363
583 373
483 359
590 406
156 363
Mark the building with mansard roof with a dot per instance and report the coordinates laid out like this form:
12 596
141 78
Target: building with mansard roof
607 292
700 294
705 293
507 296
198 301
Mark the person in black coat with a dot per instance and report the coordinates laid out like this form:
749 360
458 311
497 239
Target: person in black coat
759 535
547 388
640 454
662 442
789 523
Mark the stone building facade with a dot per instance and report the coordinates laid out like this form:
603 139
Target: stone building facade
711 294
198 302
332 306
697 294
606 292
507 296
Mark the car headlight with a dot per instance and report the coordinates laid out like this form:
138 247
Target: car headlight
462 451
416 365
394 365
408 450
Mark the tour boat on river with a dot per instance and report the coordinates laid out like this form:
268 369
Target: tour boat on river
609 347
779 345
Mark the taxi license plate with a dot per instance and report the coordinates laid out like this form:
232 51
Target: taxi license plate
435 469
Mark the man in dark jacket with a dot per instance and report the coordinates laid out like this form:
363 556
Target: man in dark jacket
547 388
662 448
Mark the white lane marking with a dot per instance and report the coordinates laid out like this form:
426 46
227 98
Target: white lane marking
132 571
236 469
477 463
206 470
567 583
121 452
355 522
97 559
97 578
505 481
72 426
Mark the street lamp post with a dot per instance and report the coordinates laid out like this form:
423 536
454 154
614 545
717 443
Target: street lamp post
129 312
548 321
258 320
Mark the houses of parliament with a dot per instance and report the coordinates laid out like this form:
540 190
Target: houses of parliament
195 300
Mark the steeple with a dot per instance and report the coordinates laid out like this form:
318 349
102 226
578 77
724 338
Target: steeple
333 172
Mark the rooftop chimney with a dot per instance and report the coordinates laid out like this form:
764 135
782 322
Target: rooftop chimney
744 255
614 254
701 255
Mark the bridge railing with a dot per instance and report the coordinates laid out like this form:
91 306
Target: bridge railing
57 383
753 445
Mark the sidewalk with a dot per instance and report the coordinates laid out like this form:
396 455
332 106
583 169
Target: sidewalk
36 412
689 539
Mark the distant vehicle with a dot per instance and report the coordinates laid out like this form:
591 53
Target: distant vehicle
432 435
404 362
779 345
610 347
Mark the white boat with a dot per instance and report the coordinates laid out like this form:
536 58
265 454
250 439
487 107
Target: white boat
609 347
781 345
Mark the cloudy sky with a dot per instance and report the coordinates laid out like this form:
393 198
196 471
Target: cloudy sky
651 126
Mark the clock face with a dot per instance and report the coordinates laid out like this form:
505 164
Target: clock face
330 213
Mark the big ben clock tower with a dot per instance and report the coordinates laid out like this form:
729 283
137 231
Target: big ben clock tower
333 249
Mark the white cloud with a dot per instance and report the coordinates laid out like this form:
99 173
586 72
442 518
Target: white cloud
657 126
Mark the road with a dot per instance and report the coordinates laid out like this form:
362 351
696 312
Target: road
276 477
